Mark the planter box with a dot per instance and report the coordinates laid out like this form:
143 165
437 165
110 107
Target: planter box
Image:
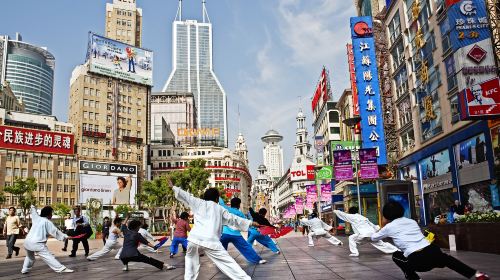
477 237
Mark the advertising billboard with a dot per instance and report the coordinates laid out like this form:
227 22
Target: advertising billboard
471 160
368 164
34 140
435 172
114 184
352 77
302 172
367 83
481 100
342 163
119 60
321 92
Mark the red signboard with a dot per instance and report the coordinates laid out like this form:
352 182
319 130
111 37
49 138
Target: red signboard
232 179
34 140
132 139
482 100
321 90
94 134
352 74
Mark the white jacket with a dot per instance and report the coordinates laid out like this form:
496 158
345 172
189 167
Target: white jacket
359 223
316 225
41 229
209 217
147 235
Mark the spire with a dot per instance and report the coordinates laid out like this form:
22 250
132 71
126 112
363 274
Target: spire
179 12
204 12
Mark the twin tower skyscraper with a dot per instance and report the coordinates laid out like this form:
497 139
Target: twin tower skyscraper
192 72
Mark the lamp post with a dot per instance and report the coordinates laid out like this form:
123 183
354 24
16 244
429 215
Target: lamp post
352 122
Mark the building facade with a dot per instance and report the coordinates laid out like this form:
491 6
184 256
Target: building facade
273 154
446 159
29 69
193 71
40 147
8 99
124 22
179 112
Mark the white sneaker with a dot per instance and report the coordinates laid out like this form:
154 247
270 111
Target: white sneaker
125 268
24 272
117 258
262 261
311 245
67 270
169 267
354 255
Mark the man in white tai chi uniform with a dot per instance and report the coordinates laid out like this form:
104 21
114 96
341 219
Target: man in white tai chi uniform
318 228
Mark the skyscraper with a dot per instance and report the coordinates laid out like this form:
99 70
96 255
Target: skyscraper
273 154
124 22
192 71
30 71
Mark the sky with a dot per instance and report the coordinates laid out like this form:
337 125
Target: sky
268 55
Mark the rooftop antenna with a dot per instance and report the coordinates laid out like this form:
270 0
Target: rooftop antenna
179 12
300 102
205 13
239 121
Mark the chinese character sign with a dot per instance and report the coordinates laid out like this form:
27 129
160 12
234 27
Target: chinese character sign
352 76
469 22
368 163
367 83
311 196
17 138
326 192
342 163
299 205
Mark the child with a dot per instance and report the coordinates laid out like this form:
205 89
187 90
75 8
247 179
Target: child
111 242
363 229
180 234
36 241
416 254
210 217
129 252
318 229
254 234
234 236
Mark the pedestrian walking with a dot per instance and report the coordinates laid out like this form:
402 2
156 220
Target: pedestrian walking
111 242
318 228
11 230
417 254
363 230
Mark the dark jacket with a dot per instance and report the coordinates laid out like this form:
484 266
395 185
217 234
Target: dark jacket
130 243
261 220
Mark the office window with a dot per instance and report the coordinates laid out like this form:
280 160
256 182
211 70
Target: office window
49 187
49 201
41 187
66 188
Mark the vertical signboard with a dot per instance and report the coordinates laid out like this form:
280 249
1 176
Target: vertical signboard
367 82
299 205
368 164
342 162
352 77
311 196
326 192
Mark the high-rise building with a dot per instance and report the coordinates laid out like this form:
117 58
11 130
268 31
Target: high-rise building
273 154
110 115
193 71
124 22
30 71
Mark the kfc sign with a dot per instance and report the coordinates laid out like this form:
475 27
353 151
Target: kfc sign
301 173
23 139
481 100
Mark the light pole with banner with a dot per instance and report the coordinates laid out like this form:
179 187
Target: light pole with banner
352 122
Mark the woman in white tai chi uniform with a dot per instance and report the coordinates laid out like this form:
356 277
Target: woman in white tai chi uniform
317 228
363 230
111 242
36 241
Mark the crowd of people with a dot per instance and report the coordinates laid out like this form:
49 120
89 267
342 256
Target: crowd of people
216 225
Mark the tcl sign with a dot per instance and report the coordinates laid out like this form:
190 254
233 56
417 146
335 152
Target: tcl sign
303 173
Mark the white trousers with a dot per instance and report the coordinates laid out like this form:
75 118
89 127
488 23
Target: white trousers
46 256
110 245
219 257
356 239
327 236
147 248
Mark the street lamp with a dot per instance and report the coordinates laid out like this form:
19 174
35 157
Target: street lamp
352 122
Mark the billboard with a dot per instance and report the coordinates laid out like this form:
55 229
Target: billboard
367 82
34 140
119 60
342 163
114 184
352 77
471 160
435 172
302 173
368 164
321 90
481 100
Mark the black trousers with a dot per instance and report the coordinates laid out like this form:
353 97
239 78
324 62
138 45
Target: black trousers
427 259
11 243
144 259
85 244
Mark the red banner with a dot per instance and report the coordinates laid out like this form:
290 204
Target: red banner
321 90
352 75
24 139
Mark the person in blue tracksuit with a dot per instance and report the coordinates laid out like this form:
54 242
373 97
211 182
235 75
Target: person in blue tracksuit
254 234
230 235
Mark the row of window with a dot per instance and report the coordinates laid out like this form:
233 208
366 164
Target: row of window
43 200
40 159
91 152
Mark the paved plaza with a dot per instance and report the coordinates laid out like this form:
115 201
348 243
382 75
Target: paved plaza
297 261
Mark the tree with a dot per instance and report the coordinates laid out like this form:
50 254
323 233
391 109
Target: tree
123 210
2 198
61 209
193 179
154 195
23 189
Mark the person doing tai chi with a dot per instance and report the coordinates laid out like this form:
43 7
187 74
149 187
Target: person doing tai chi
416 254
206 233
111 242
255 235
231 235
363 230
150 238
181 232
36 241
318 228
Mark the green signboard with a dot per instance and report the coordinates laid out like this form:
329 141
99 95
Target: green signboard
325 173
346 145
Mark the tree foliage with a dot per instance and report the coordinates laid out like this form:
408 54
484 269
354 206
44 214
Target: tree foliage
61 209
155 195
123 209
23 189
193 179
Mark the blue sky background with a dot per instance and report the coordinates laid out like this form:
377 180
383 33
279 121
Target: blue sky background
266 53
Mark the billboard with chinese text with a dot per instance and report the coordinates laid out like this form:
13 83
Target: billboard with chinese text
25 139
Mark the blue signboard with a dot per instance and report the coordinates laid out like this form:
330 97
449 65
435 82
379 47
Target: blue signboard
469 23
370 107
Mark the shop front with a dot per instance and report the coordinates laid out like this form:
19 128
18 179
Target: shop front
369 200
